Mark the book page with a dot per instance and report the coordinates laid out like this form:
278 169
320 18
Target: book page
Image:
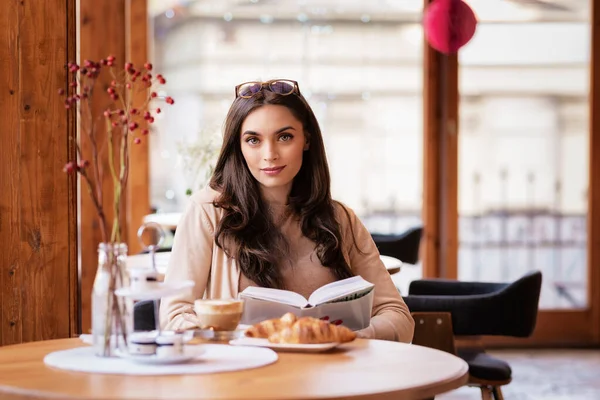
276 295
340 289
354 314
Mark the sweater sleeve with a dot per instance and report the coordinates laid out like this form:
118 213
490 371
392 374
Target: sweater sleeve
191 259
390 318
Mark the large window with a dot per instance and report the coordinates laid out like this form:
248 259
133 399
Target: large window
523 148
358 63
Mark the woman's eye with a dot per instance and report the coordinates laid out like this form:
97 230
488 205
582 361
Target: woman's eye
285 137
252 140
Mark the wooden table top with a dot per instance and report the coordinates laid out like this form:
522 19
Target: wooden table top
393 265
363 369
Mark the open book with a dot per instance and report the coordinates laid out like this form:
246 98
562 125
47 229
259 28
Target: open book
348 301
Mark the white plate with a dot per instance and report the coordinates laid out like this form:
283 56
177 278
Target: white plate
161 290
189 354
300 348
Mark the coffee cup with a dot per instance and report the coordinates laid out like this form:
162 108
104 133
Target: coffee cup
218 314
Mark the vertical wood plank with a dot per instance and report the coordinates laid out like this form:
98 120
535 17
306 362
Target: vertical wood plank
102 33
431 161
73 199
440 163
37 223
138 193
593 243
44 191
10 265
448 201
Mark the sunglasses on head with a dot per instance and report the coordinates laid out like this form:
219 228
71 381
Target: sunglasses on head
283 87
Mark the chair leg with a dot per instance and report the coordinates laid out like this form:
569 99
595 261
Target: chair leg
497 392
486 393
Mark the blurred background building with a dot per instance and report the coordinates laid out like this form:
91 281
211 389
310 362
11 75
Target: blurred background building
523 131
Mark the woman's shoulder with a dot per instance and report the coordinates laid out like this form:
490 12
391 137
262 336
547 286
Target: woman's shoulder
344 214
201 207
205 196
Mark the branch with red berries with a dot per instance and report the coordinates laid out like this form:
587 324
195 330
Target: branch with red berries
123 124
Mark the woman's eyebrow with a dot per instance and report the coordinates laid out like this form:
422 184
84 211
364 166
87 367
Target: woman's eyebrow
253 133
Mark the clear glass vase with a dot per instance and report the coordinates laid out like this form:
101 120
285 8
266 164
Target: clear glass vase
111 314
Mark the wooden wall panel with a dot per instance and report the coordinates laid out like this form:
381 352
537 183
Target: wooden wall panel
38 264
102 33
117 27
10 217
440 160
138 193
430 243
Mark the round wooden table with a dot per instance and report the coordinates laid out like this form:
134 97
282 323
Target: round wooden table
363 369
393 265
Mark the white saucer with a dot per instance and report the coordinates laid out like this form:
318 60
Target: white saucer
189 354
160 289
298 348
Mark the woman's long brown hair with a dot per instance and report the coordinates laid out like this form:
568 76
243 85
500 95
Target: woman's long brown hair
247 232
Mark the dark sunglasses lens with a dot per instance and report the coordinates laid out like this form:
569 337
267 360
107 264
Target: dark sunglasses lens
248 89
282 87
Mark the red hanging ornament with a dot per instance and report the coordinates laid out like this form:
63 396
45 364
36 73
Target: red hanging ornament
449 25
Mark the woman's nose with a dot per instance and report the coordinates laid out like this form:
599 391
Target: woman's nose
270 153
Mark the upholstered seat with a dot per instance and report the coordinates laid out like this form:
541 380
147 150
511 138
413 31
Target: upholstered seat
444 309
485 367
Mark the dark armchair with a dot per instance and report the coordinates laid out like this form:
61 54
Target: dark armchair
443 309
404 247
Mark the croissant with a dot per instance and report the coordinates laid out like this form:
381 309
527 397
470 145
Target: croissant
267 328
308 330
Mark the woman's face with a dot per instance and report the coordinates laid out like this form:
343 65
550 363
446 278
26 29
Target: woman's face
273 142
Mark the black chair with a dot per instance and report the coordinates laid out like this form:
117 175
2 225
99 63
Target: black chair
445 309
143 316
404 247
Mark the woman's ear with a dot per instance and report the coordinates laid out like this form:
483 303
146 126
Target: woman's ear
306 142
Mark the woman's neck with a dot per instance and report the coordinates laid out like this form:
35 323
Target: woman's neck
277 196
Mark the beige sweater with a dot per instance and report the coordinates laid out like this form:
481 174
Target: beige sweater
196 256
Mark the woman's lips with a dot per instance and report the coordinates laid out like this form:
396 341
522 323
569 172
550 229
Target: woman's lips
273 170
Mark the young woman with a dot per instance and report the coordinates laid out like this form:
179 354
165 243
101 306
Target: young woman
267 218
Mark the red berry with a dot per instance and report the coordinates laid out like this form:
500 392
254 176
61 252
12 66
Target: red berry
170 100
148 66
158 110
137 140
70 167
